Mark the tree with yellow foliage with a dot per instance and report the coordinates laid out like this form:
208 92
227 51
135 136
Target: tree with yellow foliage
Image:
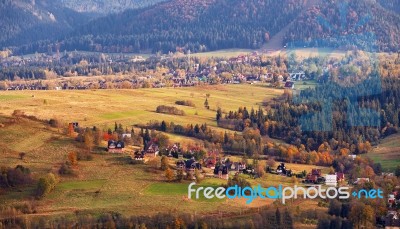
169 174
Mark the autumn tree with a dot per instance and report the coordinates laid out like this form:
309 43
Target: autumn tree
164 163
88 139
73 158
179 175
46 185
271 163
22 155
169 174
362 215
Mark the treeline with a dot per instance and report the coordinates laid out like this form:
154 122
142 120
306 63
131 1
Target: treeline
248 143
347 121
263 219
188 103
169 110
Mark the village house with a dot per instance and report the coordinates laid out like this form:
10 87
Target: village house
236 166
331 179
175 149
189 166
221 171
392 219
115 146
289 85
361 180
340 177
151 150
314 177
211 160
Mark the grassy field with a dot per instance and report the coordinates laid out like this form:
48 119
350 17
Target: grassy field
387 153
104 107
108 182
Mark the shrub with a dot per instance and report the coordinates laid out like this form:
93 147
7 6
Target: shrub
236 180
55 123
84 156
66 170
188 103
169 110
18 176
46 185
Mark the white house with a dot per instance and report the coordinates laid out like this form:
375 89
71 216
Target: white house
331 179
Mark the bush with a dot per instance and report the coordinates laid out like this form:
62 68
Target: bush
55 123
46 185
85 156
169 110
236 180
18 176
188 103
66 170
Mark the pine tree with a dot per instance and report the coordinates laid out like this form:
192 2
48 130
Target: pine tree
206 105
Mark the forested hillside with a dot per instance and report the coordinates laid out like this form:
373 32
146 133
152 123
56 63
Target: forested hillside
393 5
199 25
357 23
23 21
106 7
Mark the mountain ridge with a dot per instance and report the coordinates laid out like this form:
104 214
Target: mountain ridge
207 25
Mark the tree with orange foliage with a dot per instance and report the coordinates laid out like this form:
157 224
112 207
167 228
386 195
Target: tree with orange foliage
369 172
73 158
71 129
344 152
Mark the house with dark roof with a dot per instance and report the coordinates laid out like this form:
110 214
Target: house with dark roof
289 85
115 146
174 150
189 166
221 171
151 150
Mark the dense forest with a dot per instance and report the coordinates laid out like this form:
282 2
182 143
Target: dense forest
23 22
104 7
195 25
342 117
361 24
206 25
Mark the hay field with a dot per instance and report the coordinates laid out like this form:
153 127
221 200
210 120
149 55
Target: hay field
104 107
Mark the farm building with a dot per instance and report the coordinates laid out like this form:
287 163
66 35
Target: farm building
115 146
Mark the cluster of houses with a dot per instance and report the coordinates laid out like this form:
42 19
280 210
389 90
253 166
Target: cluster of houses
177 78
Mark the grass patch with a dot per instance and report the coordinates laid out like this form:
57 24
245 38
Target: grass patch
81 185
178 189
387 153
11 97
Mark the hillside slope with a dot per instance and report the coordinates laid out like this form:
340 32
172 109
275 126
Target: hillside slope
206 25
23 21
105 7
358 23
